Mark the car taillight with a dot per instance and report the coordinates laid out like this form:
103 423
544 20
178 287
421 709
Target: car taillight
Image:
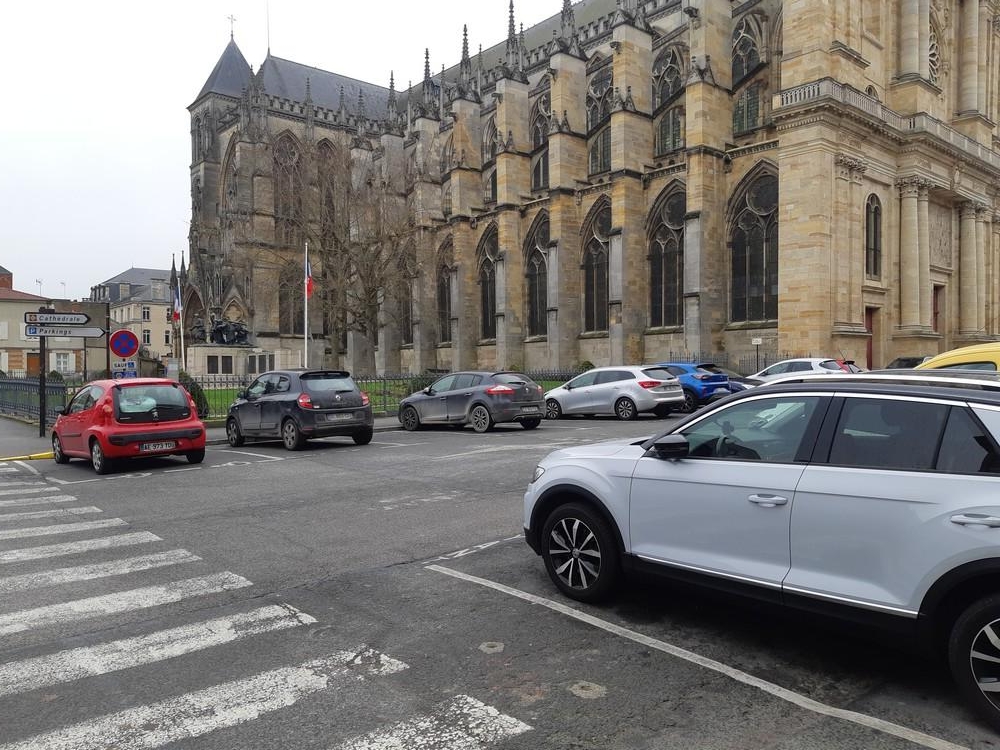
649 383
702 377
364 399
304 401
500 390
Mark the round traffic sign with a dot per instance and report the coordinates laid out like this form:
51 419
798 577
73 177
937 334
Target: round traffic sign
124 343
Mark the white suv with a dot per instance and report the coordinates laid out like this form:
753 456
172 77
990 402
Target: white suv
870 496
624 391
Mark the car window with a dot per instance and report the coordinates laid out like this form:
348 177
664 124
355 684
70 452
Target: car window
988 366
583 380
258 386
706 371
776 369
675 370
283 384
766 429
82 400
140 399
965 447
328 381
800 367
888 434
831 364
658 373
613 376
465 380
511 377
447 383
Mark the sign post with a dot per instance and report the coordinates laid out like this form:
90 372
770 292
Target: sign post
757 342
123 344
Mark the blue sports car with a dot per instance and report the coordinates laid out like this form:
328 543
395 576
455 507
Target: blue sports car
700 384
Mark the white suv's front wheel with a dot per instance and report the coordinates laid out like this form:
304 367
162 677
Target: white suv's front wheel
974 656
580 553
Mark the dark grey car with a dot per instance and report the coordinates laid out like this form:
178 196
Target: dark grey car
479 398
296 405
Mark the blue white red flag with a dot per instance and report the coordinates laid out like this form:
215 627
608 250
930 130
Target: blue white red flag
178 307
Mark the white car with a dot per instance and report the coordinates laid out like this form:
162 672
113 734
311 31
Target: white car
822 365
622 391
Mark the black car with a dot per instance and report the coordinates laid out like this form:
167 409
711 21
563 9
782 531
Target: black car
297 405
479 398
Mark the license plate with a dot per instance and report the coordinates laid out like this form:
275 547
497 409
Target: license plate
163 445
721 390
529 408
340 417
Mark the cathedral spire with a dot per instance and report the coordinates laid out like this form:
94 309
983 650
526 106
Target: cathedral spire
513 50
392 106
568 20
465 67
428 89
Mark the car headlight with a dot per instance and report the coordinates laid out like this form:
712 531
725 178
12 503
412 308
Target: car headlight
538 474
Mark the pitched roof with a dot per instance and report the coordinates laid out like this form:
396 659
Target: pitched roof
13 294
287 79
230 75
140 276
4 271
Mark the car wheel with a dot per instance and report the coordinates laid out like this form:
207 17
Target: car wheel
974 656
57 451
233 433
530 424
363 438
291 436
552 409
195 457
101 463
625 409
410 419
480 418
580 553
690 401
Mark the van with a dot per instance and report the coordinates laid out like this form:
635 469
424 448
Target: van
977 357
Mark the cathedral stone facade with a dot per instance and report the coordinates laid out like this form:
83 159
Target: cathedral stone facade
633 181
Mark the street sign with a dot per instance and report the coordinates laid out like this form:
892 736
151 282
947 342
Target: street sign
33 331
124 343
123 364
65 319
120 374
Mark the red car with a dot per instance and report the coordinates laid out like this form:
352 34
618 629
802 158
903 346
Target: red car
109 420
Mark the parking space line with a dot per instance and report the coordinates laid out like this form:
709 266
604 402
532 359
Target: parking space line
870 722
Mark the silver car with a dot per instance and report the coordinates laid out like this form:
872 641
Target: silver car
867 497
622 391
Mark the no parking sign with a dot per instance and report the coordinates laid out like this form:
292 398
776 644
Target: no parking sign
124 343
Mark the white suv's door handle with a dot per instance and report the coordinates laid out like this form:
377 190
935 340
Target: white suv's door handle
767 501
976 519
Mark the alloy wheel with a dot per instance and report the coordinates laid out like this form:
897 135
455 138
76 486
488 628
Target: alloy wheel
625 409
552 409
57 451
575 553
480 419
410 419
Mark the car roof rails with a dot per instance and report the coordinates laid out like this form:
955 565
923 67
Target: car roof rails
974 379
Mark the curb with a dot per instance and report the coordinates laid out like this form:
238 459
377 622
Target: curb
29 457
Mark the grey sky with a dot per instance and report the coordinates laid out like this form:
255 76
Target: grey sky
94 143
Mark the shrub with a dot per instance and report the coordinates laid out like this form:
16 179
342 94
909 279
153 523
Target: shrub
585 365
55 376
196 393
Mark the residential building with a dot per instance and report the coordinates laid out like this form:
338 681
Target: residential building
141 300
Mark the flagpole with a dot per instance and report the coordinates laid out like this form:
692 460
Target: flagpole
180 322
305 296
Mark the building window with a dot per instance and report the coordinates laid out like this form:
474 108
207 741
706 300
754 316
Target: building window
488 254
62 362
446 200
747 43
933 56
600 152
213 364
287 184
666 263
536 276
539 143
599 98
146 313
936 309
166 337
873 237
595 270
291 300
668 76
670 131
444 304
490 186
754 252
748 111
491 141
147 336
406 314
227 365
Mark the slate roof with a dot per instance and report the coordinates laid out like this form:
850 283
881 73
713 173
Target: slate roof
287 79
13 294
5 272
230 75
140 276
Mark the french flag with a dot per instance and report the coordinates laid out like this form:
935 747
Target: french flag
178 307
309 277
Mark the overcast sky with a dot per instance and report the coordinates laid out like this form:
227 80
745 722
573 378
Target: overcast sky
94 137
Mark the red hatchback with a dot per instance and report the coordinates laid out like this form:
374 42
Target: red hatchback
109 420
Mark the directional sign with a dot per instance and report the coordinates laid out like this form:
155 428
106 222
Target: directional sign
64 319
124 343
64 331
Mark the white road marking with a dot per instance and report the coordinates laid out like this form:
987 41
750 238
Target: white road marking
255 455
73 548
8 469
57 576
501 448
33 489
112 478
53 513
26 465
463 723
870 722
472 550
37 500
65 528
226 705
77 663
124 601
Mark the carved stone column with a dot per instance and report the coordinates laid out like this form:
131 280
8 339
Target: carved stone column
840 273
909 254
924 245
856 236
909 37
924 33
968 282
968 92
982 240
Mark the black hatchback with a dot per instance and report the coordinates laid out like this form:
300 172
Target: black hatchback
297 405
478 398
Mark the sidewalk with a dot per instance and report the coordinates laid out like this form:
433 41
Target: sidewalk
20 438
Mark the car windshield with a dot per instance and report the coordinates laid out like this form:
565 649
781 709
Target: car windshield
511 378
137 399
328 381
657 373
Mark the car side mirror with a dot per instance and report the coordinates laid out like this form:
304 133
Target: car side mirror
429 391
568 387
671 447
64 412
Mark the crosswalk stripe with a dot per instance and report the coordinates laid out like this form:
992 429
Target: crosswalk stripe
124 601
53 513
225 705
30 490
463 723
30 581
37 500
77 663
74 548
63 528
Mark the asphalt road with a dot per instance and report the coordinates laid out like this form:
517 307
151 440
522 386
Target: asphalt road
381 597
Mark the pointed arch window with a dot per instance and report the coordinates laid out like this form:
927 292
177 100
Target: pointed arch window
599 98
540 115
490 186
600 152
491 141
597 241
666 263
287 191
446 200
444 304
748 41
404 297
748 113
934 55
668 76
536 276
326 178
489 252
670 131
873 237
754 252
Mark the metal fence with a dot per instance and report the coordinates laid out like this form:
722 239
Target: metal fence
19 397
